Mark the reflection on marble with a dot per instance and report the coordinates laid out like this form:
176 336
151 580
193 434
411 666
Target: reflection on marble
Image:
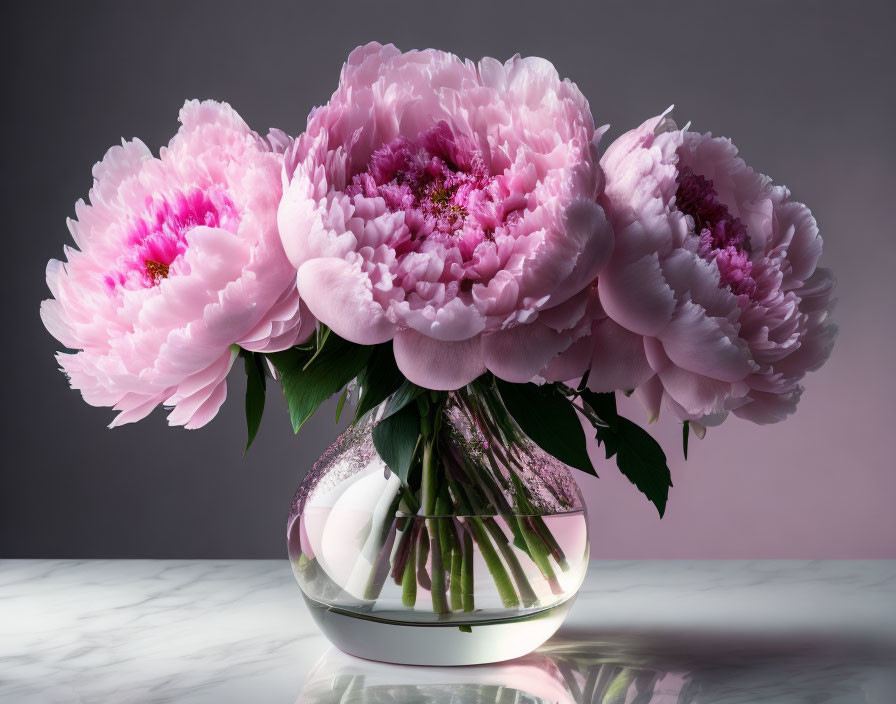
640 633
626 670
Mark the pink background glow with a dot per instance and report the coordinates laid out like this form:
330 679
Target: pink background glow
820 485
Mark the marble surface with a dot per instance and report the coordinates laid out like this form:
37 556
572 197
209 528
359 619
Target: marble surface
655 632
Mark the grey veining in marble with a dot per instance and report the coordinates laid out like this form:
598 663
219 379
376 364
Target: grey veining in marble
656 632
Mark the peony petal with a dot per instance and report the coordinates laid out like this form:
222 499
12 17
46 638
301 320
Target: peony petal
764 408
697 395
338 294
519 353
705 345
443 366
137 412
650 394
209 409
54 319
618 361
796 226
637 296
570 364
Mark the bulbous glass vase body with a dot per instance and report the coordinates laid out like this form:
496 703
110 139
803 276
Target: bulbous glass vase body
486 574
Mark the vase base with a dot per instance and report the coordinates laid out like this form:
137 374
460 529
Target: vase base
403 643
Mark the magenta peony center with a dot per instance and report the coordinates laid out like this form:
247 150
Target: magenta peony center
154 243
723 238
443 188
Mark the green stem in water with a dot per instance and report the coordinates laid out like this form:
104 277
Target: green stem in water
409 578
539 550
480 534
505 588
551 542
380 570
429 491
466 573
538 553
527 594
438 542
405 525
422 556
456 581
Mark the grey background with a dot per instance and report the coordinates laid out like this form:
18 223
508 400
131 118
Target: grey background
805 87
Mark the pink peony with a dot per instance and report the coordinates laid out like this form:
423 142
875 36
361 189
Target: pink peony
180 261
712 301
450 207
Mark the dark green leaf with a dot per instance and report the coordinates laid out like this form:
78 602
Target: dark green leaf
395 439
640 458
321 334
378 380
685 434
406 393
255 392
307 384
548 417
583 382
603 405
341 403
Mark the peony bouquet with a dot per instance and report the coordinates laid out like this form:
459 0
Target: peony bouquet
446 240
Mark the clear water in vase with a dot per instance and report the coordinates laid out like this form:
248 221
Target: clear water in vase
486 576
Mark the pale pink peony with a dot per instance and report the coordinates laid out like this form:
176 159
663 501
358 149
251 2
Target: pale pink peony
451 207
179 261
712 301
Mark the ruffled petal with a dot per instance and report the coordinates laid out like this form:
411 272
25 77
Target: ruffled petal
706 345
518 354
618 361
637 295
339 294
443 366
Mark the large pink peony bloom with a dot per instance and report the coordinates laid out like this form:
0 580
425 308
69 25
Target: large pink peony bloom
712 301
180 260
451 207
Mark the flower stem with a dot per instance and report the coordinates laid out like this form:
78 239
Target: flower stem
505 588
409 578
466 573
527 594
380 567
456 581
422 556
405 547
439 598
429 492
538 553
551 542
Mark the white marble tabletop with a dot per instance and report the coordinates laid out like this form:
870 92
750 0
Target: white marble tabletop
657 632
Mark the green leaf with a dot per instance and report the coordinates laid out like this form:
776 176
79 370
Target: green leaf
310 377
255 393
406 393
321 333
640 458
685 434
341 403
548 417
395 439
603 405
378 380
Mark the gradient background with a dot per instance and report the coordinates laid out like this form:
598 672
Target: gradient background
806 88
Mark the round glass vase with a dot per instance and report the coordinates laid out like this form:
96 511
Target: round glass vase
477 557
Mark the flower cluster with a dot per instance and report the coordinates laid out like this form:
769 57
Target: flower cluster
460 215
